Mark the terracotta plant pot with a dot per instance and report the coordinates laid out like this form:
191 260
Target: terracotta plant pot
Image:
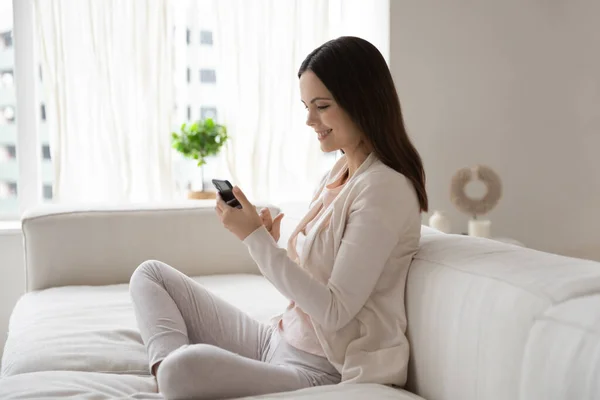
200 195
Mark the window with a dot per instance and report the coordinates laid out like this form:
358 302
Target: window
208 76
10 152
206 38
8 116
45 152
6 36
197 93
5 190
208 112
46 169
22 116
6 78
47 191
8 192
24 113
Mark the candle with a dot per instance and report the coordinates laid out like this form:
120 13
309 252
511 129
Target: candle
480 228
440 221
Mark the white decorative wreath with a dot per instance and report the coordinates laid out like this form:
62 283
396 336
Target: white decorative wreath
469 205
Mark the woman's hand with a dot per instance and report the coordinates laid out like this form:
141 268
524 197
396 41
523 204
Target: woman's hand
241 222
272 225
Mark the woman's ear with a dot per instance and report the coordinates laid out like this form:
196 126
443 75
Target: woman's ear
366 143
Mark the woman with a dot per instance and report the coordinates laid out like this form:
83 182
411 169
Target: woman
344 270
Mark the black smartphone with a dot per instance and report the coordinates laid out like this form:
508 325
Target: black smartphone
226 191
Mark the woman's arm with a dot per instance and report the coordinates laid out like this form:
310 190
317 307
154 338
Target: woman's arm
374 226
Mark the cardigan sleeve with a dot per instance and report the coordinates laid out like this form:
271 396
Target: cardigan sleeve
373 229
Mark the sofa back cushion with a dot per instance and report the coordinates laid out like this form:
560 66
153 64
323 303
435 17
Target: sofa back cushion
102 245
484 317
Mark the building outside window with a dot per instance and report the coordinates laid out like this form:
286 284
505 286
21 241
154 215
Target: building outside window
9 120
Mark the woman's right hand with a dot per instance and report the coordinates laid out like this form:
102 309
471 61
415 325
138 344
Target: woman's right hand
272 225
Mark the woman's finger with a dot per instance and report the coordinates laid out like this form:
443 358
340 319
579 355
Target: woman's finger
278 218
277 225
221 205
237 192
265 222
266 217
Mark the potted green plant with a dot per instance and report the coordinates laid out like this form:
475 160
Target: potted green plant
198 141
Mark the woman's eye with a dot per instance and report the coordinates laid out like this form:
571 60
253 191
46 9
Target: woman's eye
323 107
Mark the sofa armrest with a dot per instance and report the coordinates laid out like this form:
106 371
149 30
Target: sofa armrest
102 245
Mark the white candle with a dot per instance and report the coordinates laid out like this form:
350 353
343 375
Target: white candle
480 228
440 221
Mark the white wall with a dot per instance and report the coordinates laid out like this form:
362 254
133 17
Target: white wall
12 277
348 18
515 85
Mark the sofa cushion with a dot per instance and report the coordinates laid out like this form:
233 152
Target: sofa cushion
82 341
364 391
92 385
78 385
68 245
562 356
93 328
476 306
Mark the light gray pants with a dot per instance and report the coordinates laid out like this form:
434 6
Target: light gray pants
210 349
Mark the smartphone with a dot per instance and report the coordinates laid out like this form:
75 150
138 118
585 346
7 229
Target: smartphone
226 191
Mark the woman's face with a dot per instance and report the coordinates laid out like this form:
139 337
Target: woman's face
333 126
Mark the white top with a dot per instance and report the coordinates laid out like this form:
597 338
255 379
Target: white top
355 298
295 325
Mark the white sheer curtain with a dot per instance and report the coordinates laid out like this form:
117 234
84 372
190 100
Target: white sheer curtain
272 154
108 76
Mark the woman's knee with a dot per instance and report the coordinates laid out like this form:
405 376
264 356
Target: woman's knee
148 270
187 369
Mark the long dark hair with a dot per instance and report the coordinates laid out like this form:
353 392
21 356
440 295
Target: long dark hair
357 76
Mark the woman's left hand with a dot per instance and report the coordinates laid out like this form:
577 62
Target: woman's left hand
241 222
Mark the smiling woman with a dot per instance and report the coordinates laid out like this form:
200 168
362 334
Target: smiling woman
344 270
334 127
354 108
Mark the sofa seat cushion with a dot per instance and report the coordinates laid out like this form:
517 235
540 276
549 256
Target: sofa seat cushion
94 385
362 391
77 385
82 342
93 328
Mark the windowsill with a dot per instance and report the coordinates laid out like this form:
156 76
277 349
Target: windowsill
10 227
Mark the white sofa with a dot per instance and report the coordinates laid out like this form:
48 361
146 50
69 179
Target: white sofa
486 320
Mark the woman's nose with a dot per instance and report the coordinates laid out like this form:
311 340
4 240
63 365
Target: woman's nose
311 119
